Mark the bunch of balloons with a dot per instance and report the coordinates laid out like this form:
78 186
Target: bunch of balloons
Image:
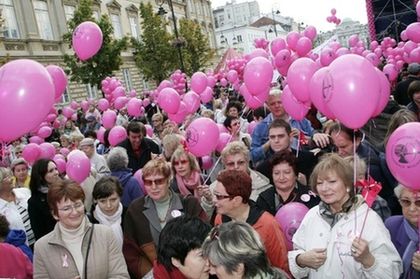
333 18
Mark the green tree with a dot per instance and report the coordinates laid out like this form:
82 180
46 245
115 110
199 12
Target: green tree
154 55
107 60
196 52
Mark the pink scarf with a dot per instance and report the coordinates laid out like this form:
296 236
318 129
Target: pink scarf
187 185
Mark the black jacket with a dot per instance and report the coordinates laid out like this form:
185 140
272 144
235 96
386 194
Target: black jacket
147 147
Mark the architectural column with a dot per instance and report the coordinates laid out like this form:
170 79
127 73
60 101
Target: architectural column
28 19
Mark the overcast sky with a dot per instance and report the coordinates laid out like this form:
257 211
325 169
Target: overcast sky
311 12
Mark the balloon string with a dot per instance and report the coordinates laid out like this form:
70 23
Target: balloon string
418 222
364 222
354 175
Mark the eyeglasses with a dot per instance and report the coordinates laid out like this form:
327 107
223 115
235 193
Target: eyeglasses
180 162
407 203
220 197
69 208
157 182
239 164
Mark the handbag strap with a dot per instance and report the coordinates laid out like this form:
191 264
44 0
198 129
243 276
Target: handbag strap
87 252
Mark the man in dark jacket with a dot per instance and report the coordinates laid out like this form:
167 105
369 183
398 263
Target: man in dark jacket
139 148
401 90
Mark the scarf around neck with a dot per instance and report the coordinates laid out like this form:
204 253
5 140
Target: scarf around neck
332 218
113 221
189 186
409 272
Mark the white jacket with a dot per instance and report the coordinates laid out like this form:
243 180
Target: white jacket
315 232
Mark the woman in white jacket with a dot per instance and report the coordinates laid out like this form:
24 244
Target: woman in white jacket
330 243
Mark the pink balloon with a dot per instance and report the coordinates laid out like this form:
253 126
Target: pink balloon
202 136
36 139
402 154
303 46
120 102
207 95
276 45
198 82
47 150
134 107
373 59
192 101
232 76
258 75
78 166
390 71
223 82
100 134
164 84
149 130
404 36
84 105
327 56
385 92
109 118
299 76
292 39
146 102
296 109
31 153
333 11
224 139
117 135
64 151
316 92
351 84
51 117
258 52
207 162
413 32
169 100
61 165
132 93
67 112
74 105
118 92
87 40
26 97
251 127
44 132
310 32
256 101
222 128
59 78
342 51
181 114
211 81
283 58
139 177
289 217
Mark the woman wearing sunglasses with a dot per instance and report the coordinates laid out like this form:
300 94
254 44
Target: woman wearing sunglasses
404 230
147 216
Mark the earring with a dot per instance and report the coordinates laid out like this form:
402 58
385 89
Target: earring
348 190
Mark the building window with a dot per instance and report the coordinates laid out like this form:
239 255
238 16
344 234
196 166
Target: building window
145 84
134 27
116 24
127 79
92 91
96 15
239 38
65 98
10 26
69 12
43 20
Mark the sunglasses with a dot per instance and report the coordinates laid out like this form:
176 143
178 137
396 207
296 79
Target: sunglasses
407 203
220 197
157 182
180 162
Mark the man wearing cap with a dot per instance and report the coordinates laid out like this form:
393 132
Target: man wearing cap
98 162
401 90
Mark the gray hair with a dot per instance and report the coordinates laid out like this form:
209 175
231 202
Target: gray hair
117 158
4 172
398 190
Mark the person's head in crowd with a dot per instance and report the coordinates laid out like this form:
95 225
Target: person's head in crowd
284 170
180 246
410 202
44 173
92 108
6 180
279 135
107 194
18 150
217 104
327 126
170 143
136 132
235 156
65 141
20 170
76 139
57 146
399 118
233 189
342 138
275 104
224 96
235 250
69 124
169 127
414 92
360 166
156 174
260 113
117 159
87 145
4 227
232 124
233 108
183 162
414 69
66 201
123 111
332 181
157 121
207 113
90 134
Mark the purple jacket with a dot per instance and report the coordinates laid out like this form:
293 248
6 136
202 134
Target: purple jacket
131 187
395 225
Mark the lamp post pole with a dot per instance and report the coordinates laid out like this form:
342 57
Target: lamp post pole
274 22
178 43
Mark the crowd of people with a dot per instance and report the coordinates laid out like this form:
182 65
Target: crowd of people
151 209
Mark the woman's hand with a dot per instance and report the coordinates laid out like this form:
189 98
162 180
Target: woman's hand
204 191
361 253
416 261
313 258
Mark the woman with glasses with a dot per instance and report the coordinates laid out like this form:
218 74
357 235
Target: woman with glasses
147 216
235 250
342 236
187 179
44 174
76 248
404 230
13 205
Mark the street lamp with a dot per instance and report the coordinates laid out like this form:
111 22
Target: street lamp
277 12
178 42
